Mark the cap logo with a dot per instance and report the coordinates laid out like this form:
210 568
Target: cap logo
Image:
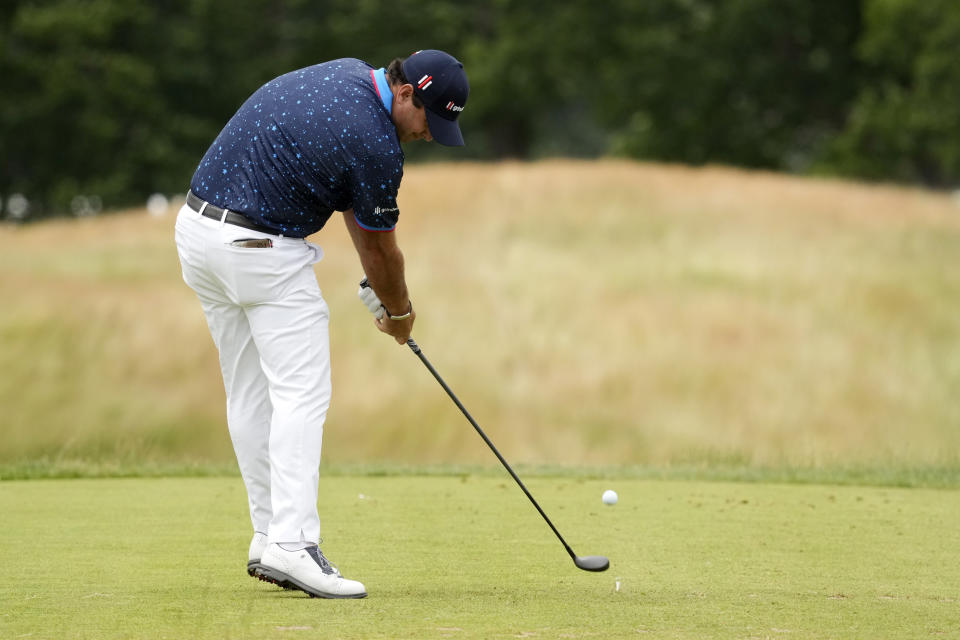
424 82
452 107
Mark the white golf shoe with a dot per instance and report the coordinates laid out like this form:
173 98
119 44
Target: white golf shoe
307 570
257 546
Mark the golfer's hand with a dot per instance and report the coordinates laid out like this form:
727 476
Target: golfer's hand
399 329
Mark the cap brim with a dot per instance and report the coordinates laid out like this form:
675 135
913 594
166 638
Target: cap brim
446 132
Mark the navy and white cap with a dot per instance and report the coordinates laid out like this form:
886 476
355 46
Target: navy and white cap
439 80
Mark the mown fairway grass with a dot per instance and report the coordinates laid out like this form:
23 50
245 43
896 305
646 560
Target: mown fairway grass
467 557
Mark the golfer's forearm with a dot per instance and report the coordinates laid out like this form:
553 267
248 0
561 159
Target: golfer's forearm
384 271
382 263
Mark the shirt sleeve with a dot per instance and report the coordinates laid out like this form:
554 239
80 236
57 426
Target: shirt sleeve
374 185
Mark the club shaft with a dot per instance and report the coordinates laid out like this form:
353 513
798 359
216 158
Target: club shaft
416 349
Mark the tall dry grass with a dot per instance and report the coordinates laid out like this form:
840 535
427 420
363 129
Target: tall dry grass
606 312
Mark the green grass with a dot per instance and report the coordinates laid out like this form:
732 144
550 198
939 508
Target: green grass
467 557
925 476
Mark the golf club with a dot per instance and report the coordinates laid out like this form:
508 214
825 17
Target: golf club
587 563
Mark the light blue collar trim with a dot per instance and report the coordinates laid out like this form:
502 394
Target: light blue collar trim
383 88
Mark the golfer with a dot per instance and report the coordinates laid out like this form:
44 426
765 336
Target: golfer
321 139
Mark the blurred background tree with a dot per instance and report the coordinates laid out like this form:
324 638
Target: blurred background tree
120 99
904 124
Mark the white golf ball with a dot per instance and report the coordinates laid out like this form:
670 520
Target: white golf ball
609 497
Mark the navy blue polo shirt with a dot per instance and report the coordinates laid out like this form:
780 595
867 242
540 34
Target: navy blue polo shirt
306 144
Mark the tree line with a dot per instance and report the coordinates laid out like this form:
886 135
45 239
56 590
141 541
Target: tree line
117 99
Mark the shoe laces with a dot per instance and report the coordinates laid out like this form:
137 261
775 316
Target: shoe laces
321 560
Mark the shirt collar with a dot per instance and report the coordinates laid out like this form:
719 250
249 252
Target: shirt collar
383 87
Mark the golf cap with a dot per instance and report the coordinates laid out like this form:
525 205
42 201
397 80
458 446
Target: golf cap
439 81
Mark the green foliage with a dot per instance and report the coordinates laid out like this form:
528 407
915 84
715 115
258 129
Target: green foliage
745 82
74 85
120 99
905 122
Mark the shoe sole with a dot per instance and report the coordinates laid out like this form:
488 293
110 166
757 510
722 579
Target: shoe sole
253 567
281 579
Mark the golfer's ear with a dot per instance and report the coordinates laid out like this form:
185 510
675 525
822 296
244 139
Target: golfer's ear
406 91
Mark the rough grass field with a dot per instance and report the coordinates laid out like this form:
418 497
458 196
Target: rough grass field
467 557
587 313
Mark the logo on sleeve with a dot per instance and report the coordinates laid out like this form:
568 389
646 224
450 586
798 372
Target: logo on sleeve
380 210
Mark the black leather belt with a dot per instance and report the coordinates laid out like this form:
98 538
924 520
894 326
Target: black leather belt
216 213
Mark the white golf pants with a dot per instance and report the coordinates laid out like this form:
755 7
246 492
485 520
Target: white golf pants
270 325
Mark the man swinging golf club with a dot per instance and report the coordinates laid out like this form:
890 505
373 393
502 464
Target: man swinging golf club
321 139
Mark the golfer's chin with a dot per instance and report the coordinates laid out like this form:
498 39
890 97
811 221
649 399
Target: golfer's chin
412 137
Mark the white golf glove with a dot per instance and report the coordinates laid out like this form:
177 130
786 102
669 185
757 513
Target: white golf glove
369 298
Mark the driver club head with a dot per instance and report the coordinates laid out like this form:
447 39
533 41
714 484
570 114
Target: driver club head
591 563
